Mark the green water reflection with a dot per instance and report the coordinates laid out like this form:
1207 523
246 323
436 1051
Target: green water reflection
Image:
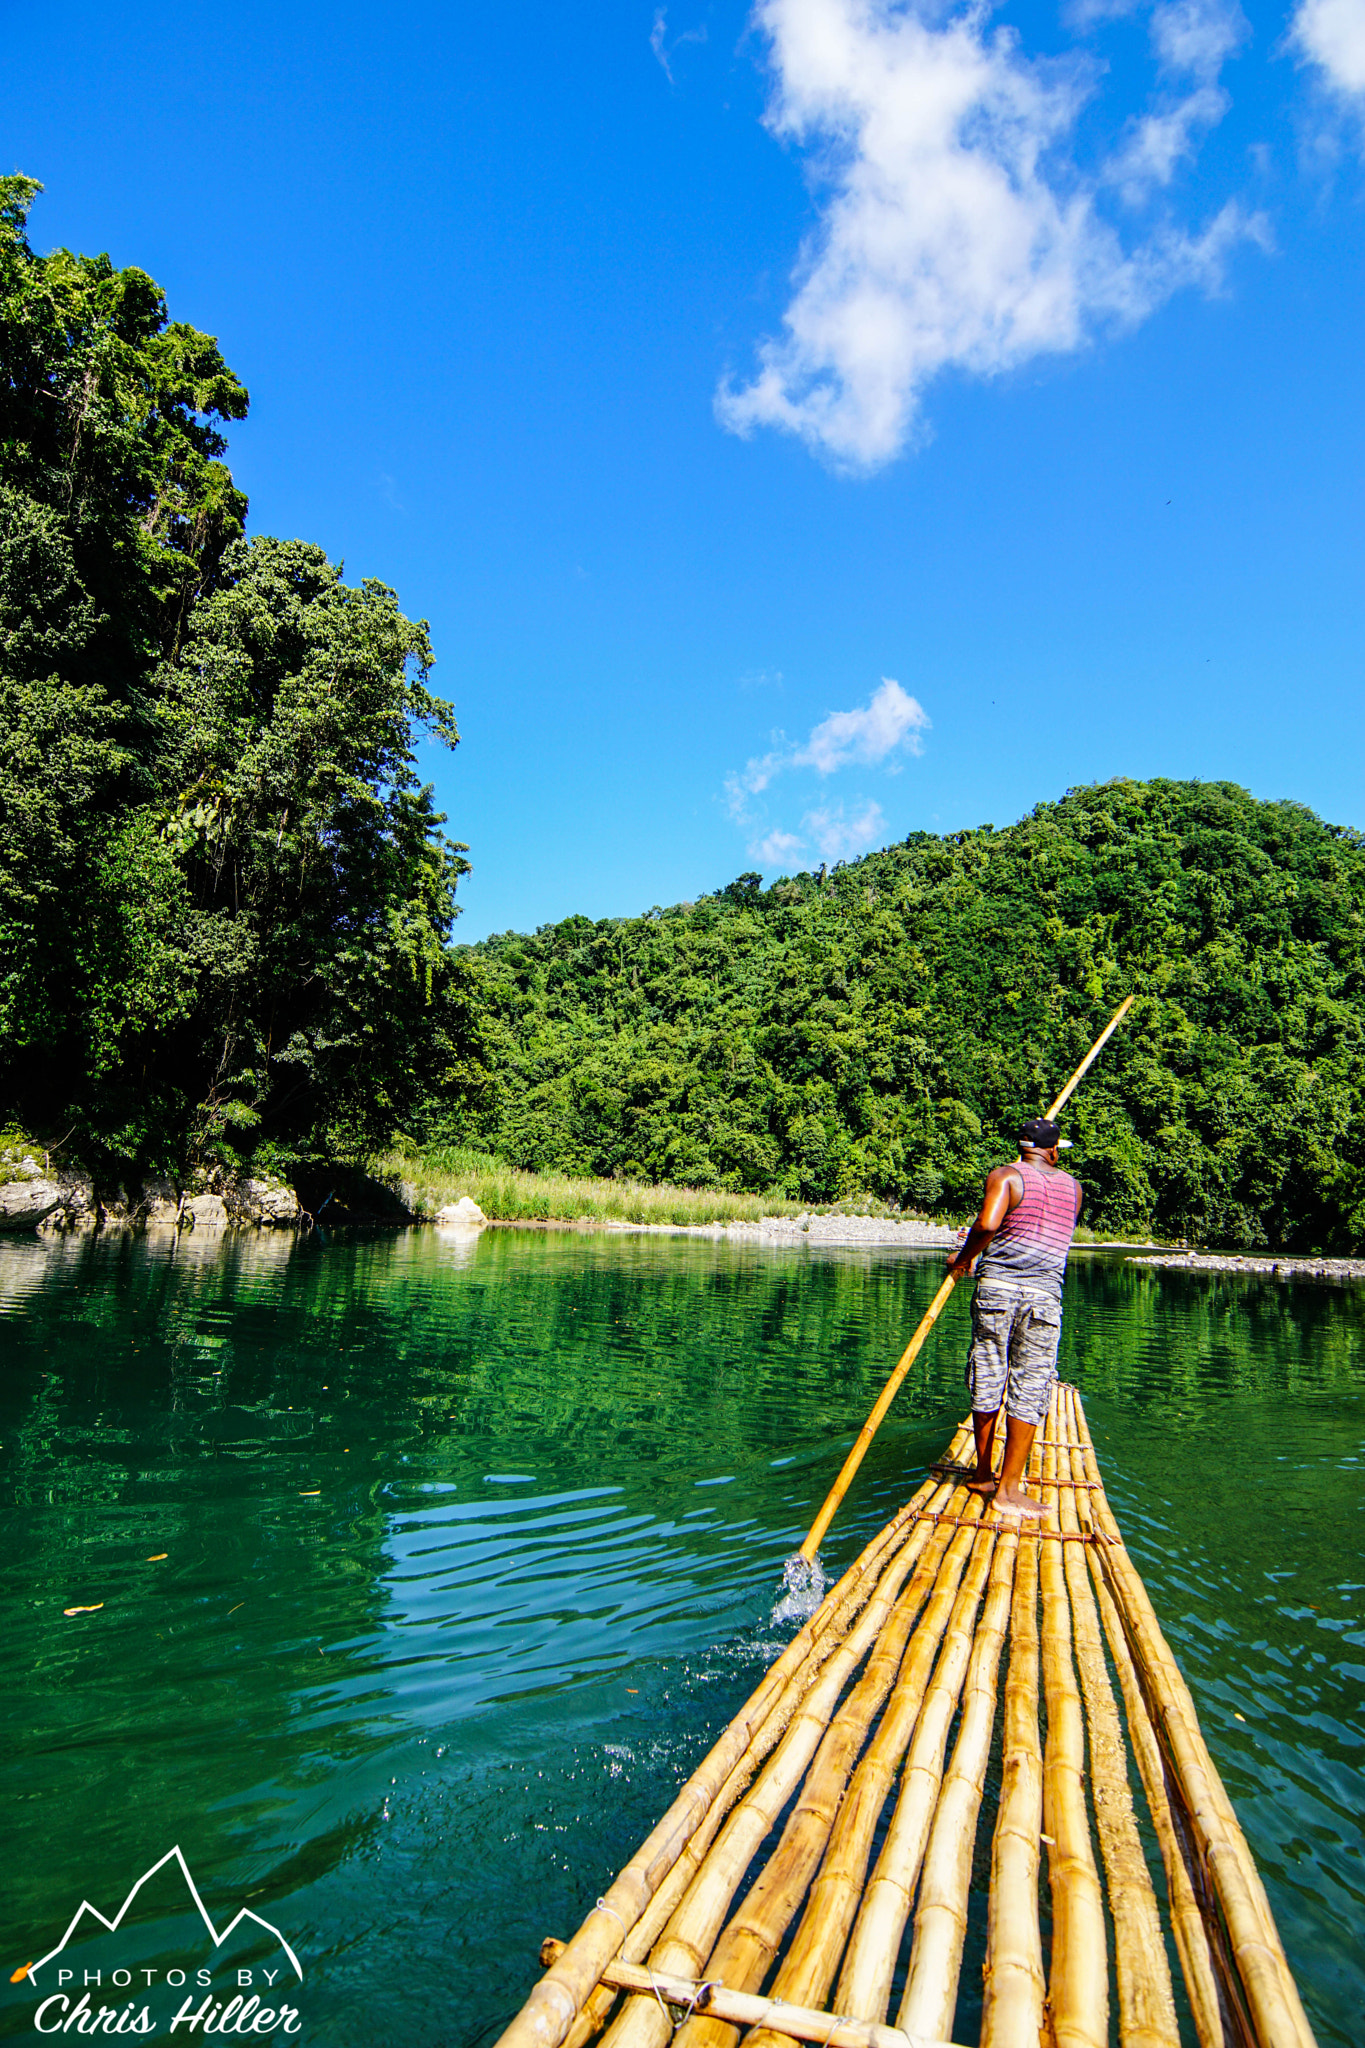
470 1546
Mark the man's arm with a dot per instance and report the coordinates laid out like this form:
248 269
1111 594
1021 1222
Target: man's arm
1004 1190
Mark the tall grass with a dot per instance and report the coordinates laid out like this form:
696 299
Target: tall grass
437 1174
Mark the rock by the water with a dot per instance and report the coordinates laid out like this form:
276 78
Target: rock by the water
78 1209
464 1214
204 1212
24 1204
161 1202
264 1201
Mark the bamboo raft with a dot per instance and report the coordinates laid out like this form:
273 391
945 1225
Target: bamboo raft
829 1835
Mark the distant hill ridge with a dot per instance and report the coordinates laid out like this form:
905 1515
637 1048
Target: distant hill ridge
883 1027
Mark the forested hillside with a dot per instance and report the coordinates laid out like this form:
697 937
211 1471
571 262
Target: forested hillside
884 1027
224 895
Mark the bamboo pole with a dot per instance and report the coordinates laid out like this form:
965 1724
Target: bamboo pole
930 1317
1187 1921
1275 2008
1015 1987
553 2006
1145 1998
874 1420
1060 1101
865 1986
1224 2003
941 1918
1078 1986
691 1932
920 1705
745 1952
798 2022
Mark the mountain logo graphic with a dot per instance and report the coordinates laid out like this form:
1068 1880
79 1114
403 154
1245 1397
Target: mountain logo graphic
172 1856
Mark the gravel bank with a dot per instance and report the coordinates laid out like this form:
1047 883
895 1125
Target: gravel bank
824 1230
1279 1265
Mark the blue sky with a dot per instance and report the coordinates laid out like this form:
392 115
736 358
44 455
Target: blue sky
800 426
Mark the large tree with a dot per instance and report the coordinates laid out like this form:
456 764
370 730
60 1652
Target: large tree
224 894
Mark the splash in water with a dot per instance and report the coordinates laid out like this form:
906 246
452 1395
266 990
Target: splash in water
804 1583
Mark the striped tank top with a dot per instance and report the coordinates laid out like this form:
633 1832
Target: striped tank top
1031 1244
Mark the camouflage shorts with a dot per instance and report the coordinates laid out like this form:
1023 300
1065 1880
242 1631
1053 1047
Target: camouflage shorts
1013 1359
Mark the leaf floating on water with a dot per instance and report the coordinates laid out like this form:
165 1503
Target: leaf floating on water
84 1610
18 1976
158 1557
1236 1716
233 1610
310 1492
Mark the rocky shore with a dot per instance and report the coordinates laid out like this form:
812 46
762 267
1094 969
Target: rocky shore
1276 1265
35 1196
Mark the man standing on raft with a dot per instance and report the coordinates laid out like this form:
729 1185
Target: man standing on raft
1024 1230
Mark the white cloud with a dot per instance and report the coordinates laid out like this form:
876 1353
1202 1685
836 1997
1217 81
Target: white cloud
778 849
662 48
1159 143
890 720
953 231
840 836
1196 37
1193 39
1331 34
871 735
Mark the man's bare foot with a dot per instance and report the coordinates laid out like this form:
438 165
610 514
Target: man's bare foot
986 1486
1014 1502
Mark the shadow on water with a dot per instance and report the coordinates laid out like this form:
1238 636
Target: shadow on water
471 1546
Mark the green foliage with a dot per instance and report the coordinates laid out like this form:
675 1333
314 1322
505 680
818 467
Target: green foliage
885 1029
436 1174
225 897
107 412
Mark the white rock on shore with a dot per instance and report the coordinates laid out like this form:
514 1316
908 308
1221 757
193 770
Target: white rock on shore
24 1204
37 1199
462 1215
264 1201
203 1212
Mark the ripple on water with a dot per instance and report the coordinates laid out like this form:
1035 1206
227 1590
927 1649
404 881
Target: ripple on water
466 1562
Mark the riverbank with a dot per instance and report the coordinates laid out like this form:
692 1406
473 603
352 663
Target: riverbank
821 1227
436 1176
409 1186
1275 1265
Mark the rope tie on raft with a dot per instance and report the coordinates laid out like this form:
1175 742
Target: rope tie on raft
689 2006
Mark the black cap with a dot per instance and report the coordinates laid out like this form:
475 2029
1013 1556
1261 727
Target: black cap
1041 1133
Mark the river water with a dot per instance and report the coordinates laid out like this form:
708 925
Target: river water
423 1569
